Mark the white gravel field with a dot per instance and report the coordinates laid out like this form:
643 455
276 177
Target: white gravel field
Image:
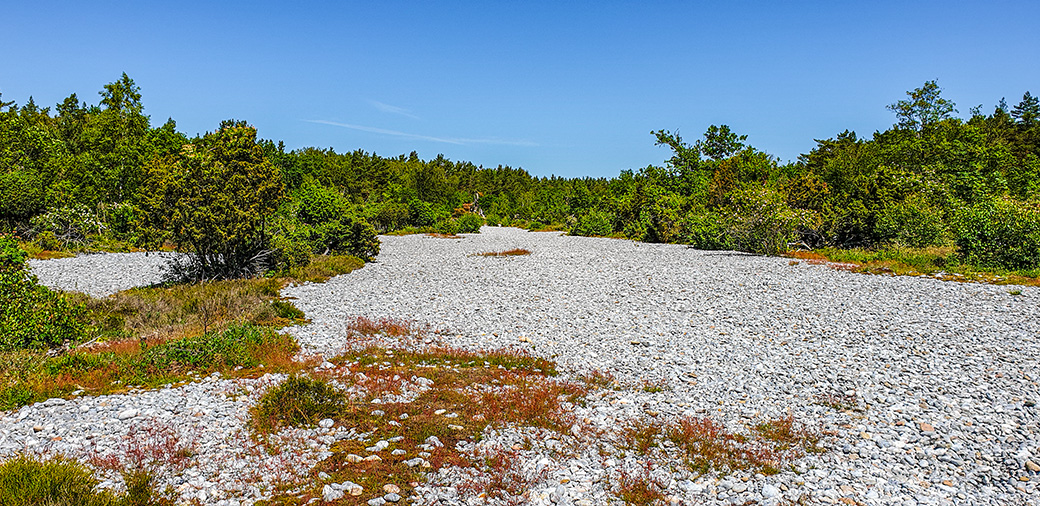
944 374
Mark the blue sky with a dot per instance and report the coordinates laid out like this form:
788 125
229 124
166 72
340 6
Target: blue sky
565 88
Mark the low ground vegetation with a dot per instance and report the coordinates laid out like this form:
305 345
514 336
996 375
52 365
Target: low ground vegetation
418 407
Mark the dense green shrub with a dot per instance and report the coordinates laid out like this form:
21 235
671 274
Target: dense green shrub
214 200
346 235
298 401
29 481
704 230
420 213
760 221
389 216
21 195
447 226
1000 232
593 223
913 222
320 204
32 316
47 241
121 219
470 223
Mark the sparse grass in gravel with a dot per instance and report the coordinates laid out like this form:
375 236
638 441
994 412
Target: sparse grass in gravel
507 253
393 327
406 396
114 366
639 488
915 262
706 446
839 401
400 398
499 473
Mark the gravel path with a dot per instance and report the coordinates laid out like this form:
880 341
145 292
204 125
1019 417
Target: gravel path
100 275
944 374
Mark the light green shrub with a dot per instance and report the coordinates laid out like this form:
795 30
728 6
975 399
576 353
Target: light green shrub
593 223
1000 232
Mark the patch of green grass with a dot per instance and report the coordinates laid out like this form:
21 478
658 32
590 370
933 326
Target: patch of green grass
323 267
27 377
916 262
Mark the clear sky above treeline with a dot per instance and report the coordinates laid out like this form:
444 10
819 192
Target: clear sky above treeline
565 88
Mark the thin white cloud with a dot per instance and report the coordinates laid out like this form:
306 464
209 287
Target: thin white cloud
392 109
446 140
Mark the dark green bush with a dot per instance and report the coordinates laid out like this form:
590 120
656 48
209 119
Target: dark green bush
121 219
289 251
47 241
214 199
760 221
31 316
448 227
21 195
470 223
1000 232
420 213
28 481
593 223
298 401
389 216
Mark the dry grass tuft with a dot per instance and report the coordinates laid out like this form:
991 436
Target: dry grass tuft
507 253
640 487
393 327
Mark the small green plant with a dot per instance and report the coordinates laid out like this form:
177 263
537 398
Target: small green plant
28 481
469 223
298 401
1014 292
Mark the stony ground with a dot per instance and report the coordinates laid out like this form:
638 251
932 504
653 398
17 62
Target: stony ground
941 377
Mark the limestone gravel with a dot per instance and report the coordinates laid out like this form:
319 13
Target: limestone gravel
942 377
100 275
740 337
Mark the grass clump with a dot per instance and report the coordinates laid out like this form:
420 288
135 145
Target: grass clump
28 481
507 253
298 401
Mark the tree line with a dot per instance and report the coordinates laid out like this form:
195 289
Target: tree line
101 175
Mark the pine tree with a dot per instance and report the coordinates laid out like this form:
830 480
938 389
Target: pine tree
1027 112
